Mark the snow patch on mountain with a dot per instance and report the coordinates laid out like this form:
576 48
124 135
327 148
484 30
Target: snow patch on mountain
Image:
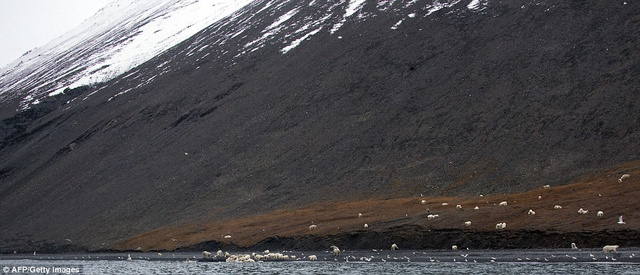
477 5
119 37
286 24
438 5
353 7
128 33
297 42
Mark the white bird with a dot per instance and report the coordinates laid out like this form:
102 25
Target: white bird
573 246
620 221
128 257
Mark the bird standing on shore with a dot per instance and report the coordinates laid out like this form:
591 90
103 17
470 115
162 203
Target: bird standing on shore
620 221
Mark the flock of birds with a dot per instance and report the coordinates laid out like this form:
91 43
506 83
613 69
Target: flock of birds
394 254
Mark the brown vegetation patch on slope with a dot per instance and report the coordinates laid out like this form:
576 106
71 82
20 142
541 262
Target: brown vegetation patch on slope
597 192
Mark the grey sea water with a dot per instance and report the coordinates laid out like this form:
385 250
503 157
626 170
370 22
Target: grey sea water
351 262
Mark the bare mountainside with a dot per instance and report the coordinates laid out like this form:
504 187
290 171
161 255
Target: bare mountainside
291 104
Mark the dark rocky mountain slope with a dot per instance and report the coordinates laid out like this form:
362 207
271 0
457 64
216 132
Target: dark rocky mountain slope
506 98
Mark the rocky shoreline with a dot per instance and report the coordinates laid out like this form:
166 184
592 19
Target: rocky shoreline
413 237
407 236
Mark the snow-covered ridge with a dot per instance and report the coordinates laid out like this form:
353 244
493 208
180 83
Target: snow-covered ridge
124 34
128 33
286 24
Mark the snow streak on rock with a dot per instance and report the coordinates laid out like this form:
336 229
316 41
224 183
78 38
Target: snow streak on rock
438 5
477 5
